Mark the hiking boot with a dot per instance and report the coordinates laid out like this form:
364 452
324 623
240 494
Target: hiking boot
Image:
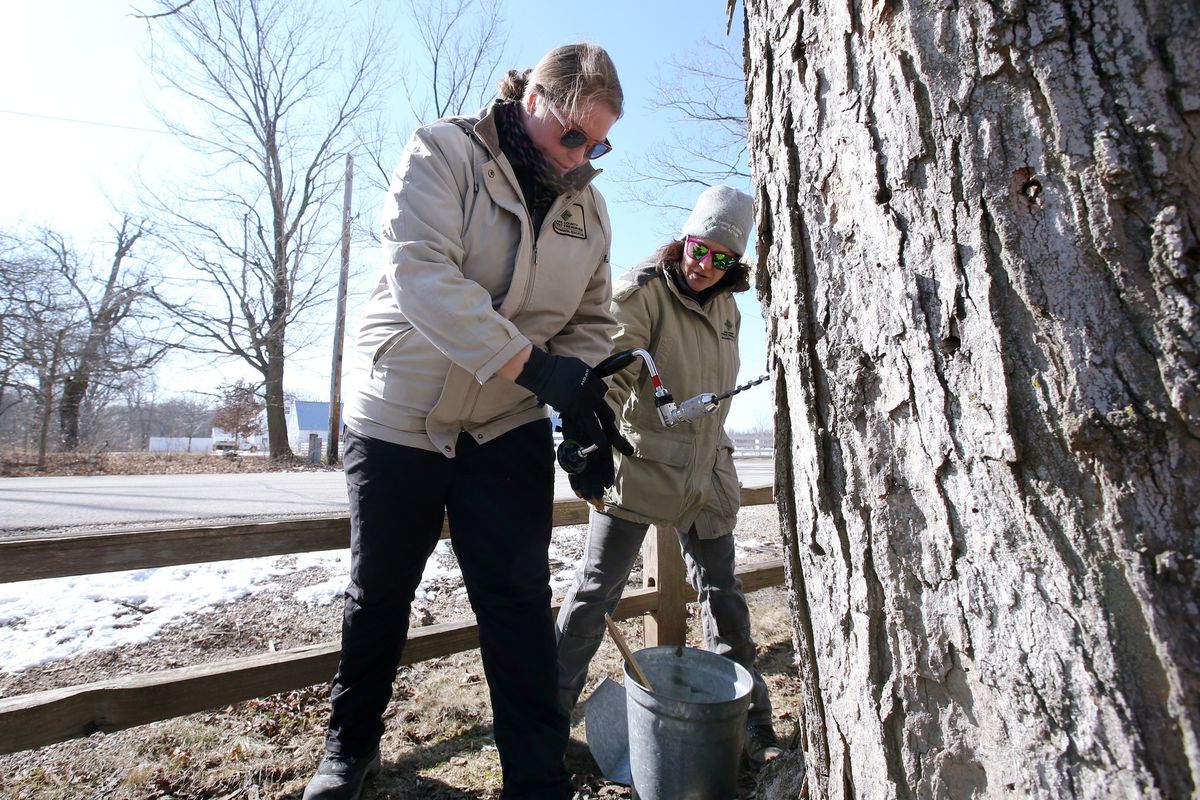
762 744
342 777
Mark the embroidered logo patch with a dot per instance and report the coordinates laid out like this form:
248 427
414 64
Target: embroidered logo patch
570 222
728 334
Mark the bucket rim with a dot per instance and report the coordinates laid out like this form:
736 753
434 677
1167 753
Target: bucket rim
743 676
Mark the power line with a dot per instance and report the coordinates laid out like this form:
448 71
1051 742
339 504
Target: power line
83 121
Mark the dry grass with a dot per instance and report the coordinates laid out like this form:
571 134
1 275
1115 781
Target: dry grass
18 464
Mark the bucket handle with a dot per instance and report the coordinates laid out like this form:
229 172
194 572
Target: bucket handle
625 652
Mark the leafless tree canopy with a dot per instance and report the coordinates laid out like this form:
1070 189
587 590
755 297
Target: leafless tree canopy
110 345
71 336
461 45
36 324
702 102
453 72
278 87
169 10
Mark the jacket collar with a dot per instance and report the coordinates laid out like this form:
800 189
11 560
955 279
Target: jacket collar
670 274
483 125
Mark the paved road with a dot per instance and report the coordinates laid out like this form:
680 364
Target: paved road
30 504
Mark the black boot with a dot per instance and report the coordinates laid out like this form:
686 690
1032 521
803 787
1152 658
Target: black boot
342 777
762 744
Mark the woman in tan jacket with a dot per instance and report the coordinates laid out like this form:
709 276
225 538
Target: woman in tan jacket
493 302
678 306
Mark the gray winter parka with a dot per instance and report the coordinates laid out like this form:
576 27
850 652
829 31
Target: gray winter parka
467 283
682 475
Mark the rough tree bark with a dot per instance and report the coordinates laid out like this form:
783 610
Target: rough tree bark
979 262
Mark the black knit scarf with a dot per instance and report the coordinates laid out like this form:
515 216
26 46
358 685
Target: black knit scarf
540 181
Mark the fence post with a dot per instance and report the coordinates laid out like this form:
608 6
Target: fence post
314 449
662 568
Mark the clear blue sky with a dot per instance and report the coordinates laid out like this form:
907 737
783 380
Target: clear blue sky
86 64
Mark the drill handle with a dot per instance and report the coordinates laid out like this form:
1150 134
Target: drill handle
615 363
572 456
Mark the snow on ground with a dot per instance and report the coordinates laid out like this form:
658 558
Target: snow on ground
46 620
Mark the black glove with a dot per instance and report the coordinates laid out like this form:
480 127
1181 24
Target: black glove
598 473
577 393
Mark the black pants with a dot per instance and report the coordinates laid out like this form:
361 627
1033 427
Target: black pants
498 497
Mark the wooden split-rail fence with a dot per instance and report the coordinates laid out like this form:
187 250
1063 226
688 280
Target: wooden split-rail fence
43 718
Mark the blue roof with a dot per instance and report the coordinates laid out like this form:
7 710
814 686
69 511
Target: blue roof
312 415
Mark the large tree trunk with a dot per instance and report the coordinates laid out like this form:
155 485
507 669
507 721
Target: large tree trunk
74 390
46 383
978 250
273 398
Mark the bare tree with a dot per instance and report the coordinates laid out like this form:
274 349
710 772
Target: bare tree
279 86
188 417
140 415
68 334
453 72
124 415
702 99
107 347
167 11
40 331
462 42
979 257
18 273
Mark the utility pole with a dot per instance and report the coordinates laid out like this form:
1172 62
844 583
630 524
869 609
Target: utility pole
339 328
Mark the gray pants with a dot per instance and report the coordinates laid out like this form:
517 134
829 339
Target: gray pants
611 548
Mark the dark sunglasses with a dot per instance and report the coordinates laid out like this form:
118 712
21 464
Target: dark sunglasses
572 137
698 251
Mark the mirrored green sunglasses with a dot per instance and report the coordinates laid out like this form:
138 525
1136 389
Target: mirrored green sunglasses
698 251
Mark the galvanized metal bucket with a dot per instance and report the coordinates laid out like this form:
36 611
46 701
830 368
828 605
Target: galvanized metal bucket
686 737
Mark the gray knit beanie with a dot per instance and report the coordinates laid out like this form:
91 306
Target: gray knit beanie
724 215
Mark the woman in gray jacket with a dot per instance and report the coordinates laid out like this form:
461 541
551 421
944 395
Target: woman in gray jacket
679 306
493 302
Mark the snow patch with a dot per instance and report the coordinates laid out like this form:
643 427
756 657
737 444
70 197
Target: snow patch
47 620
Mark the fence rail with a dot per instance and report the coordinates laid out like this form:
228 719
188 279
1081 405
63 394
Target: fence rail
42 718
753 445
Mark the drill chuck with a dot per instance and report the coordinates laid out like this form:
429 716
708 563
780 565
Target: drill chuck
695 407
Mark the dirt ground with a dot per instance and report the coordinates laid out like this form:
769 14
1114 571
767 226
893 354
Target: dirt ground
438 743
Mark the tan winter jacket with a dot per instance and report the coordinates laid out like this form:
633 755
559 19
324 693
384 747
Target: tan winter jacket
466 285
682 475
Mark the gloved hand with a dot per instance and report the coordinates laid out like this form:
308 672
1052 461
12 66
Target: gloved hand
577 393
598 473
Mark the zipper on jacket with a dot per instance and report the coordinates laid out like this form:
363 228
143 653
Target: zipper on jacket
533 269
533 237
537 235
387 345
532 274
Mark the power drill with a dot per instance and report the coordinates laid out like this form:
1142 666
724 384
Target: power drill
572 456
